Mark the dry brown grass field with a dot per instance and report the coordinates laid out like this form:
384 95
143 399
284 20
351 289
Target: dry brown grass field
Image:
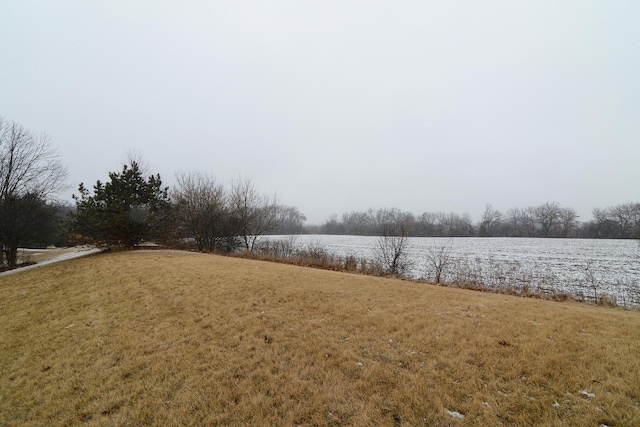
168 339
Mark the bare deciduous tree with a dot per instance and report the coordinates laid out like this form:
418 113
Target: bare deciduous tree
291 220
391 249
546 216
620 221
201 209
254 213
30 173
515 222
489 222
568 222
438 260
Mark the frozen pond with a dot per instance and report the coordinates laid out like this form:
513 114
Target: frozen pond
585 268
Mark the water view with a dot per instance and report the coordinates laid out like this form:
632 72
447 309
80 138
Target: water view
583 268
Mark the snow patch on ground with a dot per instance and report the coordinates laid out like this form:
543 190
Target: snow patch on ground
588 394
455 414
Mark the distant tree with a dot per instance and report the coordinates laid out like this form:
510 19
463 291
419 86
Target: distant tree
290 221
426 225
529 222
253 214
515 222
617 222
30 173
567 222
124 211
626 219
333 226
373 222
546 216
455 225
490 222
390 218
603 225
359 223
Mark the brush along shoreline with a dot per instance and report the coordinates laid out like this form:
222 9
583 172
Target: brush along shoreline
322 259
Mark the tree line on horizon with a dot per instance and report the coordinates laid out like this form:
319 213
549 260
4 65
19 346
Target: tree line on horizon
548 220
134 206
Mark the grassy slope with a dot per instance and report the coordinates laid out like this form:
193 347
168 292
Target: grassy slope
162 338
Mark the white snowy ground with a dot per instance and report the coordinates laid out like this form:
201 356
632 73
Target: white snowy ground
49 256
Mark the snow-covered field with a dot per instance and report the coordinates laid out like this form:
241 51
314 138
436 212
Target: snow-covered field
581 267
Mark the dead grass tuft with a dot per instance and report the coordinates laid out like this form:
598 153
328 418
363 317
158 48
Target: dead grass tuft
167 338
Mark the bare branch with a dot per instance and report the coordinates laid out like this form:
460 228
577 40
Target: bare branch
28 164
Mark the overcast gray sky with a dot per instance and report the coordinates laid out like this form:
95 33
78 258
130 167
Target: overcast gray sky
340 105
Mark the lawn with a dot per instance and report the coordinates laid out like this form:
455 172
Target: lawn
173 338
